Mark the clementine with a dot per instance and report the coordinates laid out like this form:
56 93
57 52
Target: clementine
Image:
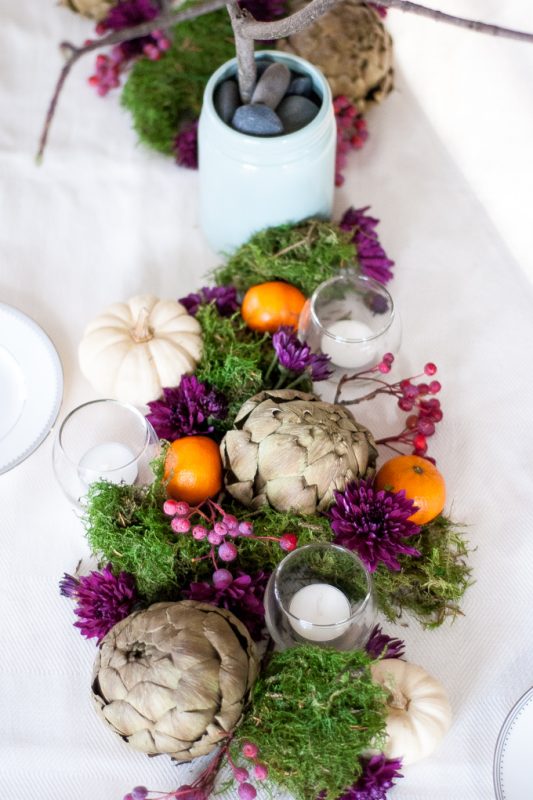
421 481
193 469
266 306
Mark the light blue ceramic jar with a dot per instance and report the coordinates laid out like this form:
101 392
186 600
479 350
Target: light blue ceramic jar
249 182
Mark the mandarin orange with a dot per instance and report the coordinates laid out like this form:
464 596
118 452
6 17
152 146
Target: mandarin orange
193 469
421 482
266 306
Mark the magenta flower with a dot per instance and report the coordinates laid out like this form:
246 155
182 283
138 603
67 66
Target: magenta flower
296 356
187 409
102 598
373 260
265 10
380 645
373 523
379 775
243 596
186 145
224 298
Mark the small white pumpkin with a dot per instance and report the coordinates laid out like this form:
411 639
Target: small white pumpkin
419 709
135 348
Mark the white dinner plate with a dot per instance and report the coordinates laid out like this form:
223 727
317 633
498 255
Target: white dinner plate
31 386
514 752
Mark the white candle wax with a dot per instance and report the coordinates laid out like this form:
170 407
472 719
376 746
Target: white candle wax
109 461
350 355
320 604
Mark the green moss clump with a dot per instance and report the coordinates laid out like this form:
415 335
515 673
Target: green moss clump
163 94
304 254
431 586
126 526
234 358
314 711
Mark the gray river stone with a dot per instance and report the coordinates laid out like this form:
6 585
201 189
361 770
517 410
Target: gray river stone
295 112
257 119
272 85
302 84
227 100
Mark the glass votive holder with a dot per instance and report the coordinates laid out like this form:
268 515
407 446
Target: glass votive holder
320 594
352 319
103 440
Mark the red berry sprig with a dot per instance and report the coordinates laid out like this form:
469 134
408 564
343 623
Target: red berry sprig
418 398
352 133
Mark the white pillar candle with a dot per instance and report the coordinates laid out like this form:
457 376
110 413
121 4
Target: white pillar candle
320 604
110 461
350 355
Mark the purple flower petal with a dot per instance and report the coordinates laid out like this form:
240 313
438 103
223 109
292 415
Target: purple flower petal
380 645
374 524
224 297
243 596
103 599
373 260
379 775
296 356
186 410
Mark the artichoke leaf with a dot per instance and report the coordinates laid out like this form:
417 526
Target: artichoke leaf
281 454
242 454
286 493
124 718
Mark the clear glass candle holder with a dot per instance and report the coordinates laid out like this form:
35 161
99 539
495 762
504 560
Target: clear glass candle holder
352 319
320 594
103 440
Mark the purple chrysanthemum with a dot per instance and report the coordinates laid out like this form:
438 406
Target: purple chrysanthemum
187 409
186 145
103 600
224 298
373 260
380 645
374 524
243 596
379 775
296 356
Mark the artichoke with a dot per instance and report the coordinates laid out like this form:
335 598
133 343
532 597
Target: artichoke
174 678
292 450
352 48
95 9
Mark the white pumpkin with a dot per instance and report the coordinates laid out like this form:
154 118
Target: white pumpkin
135 348
419 709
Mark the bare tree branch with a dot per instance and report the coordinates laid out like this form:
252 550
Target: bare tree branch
278 29
73 53
244 46
246 30
470 24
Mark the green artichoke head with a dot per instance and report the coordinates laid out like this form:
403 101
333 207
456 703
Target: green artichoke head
174 678
292 450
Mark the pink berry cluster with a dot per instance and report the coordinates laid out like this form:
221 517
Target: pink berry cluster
108 68
352 133
221 530
246 790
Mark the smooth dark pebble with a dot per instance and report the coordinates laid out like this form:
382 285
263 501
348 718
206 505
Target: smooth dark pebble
302 85
272 85
261 66
227 99
257 120
295 112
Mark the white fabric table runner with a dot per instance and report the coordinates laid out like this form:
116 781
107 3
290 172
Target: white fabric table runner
103 220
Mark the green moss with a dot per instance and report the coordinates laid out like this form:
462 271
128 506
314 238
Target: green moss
313 713
304 254
161 95
432 586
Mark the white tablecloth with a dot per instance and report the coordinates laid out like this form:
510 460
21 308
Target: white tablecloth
103 220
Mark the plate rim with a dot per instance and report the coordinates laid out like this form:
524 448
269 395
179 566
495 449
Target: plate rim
58 399
502 737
